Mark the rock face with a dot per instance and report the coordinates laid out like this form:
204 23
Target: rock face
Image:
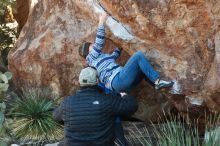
181 38
22 12
23 9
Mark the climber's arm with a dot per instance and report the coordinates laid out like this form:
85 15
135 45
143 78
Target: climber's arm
100 36
116 53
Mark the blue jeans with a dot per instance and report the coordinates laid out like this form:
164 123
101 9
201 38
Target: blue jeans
133 72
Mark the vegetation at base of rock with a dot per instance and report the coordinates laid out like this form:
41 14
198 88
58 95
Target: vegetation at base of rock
4 84
177 133
33 121
5 3
7 36
4 78
8 30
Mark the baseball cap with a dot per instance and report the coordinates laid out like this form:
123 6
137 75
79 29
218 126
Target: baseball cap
88 77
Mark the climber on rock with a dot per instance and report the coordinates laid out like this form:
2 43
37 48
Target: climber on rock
112 75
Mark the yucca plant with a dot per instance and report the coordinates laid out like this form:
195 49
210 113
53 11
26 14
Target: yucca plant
139 137
33 118
174 132
164 134
212 133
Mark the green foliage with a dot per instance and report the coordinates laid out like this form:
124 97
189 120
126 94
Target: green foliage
4 78
212 135
2 107
8 37
139 137
176 133
8 31
2 129
2 143
3 88
33 118
5 137
4 3
2 118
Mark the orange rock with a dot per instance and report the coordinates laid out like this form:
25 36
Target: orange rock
174 35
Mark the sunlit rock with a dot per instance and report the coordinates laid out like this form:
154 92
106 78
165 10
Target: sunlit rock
180 38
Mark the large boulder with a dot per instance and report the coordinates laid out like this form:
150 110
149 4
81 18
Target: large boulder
181 38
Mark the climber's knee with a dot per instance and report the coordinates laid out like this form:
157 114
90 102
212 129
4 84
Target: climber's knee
139 55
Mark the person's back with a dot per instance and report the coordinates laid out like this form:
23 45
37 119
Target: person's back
89 116
88 119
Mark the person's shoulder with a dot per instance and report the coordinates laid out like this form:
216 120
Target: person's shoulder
69 97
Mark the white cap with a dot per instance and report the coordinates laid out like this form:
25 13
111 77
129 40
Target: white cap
88 77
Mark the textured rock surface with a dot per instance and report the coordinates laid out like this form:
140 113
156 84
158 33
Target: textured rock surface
22 12
180 37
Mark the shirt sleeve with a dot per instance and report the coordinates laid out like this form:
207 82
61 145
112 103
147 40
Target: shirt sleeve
125 106
58 114
116 53
99 41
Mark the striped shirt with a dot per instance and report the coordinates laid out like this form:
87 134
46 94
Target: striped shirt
104 63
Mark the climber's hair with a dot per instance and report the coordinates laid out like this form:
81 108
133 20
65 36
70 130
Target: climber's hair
84 49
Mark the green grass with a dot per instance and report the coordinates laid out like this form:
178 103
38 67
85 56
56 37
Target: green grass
175 133
33 119
212 135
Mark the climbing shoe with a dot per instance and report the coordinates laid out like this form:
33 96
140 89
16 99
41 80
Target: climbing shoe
163 84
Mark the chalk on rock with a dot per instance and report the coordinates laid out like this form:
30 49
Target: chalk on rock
176 88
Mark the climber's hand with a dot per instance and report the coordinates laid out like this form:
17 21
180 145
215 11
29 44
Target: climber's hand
120 49
103 18
123 94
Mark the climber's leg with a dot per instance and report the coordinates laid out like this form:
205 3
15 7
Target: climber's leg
126 78
133 72
135 66
140 59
